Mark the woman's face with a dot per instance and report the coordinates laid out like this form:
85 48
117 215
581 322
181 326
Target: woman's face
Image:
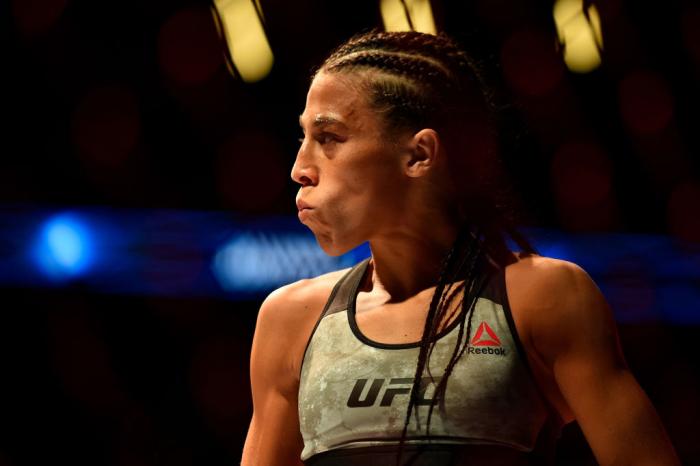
350 173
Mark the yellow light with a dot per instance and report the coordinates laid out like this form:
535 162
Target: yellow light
581 37
394 15
250 51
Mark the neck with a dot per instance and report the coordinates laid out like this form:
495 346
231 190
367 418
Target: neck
405 264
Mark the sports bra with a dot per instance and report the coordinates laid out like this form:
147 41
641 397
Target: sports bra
353 391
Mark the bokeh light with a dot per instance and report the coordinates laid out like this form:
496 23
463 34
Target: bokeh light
476 167
530 62
581 174
581 179
106 126
171 241
245 35
81 360
189 51
420 12
580 33
555 249
630 289
256 260
64 247
217 376
251 171
35 17
646 104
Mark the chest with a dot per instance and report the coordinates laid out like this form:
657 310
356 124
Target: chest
401 323
355 387
379 322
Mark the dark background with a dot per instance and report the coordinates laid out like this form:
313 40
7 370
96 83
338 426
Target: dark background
129 105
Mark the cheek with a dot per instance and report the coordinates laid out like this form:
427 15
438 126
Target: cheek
383 190
381 183
359 195
368 204
347 209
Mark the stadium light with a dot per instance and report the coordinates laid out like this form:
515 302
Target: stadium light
407 15
241 24
580 33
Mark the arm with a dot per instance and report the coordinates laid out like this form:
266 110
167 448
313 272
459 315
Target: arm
576 338
273 437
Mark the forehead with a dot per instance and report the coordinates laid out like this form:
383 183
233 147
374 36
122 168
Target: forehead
335 98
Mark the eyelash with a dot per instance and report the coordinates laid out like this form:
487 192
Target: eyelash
324 138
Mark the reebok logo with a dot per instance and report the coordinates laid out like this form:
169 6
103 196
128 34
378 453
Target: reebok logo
485 341
490 339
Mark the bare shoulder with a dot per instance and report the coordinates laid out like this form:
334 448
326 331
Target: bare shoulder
292 302
546 282
546 269
288 314
557 303
578 361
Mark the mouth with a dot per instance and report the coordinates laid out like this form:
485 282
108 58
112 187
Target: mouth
304 213
301 205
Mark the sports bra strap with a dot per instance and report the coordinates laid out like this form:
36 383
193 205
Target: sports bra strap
345 289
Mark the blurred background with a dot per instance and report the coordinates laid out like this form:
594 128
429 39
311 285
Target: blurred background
146 207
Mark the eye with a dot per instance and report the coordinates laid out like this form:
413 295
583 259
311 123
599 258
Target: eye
325 138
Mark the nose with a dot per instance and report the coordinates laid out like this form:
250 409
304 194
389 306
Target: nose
303 172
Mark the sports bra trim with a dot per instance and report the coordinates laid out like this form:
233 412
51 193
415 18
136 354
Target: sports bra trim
390 346
330 299
350 306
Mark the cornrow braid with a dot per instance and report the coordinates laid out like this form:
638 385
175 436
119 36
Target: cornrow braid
440 48
413 81
398 63
418 103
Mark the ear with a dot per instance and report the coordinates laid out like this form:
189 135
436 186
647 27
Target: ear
424 153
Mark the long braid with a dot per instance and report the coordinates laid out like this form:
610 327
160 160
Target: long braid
440 315
468 303
418 80
428 333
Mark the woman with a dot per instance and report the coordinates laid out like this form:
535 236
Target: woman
444 347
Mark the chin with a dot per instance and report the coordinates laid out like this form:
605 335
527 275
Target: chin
333 248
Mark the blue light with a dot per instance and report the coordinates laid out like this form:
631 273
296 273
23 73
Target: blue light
257 261
64 248
556 250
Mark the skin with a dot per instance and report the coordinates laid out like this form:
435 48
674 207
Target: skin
363 187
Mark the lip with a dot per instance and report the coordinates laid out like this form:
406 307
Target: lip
301 205
304 213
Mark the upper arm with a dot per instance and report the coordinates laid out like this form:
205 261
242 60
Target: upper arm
577 339
273 436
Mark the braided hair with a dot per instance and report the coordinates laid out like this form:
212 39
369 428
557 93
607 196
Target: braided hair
415 80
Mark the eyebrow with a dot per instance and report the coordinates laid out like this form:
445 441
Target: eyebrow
324 120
